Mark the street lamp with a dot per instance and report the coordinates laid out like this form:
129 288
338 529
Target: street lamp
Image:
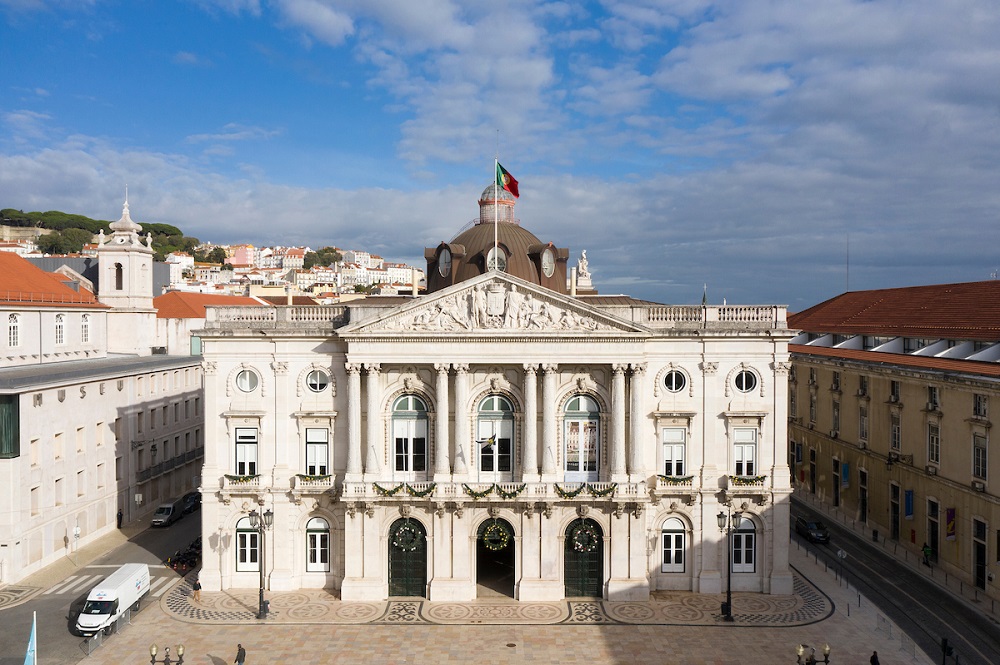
262 523
166 655
726 525
810 658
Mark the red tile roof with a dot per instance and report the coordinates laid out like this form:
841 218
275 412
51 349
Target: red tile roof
969 310
24 284
183 305
950 365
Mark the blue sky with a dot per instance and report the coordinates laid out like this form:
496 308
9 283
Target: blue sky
746 145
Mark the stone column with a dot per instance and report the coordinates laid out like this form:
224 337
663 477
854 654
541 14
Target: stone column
616 458
529 456
373 390
637 419
549 377
353 421
441 446
461 419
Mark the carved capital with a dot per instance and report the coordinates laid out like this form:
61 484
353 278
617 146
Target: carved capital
619 510
459 511
619 368
352 509
637 509
782 367
550 368
373 368
638 369
442 368
709 368
547 509
460 368
370 509
439 509
530 369
353 368
279 368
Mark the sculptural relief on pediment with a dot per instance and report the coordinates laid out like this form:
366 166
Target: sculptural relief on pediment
493 306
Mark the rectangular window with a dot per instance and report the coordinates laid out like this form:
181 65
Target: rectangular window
36 506
793 404
187 409
81 483
745 451
674 440
197 407
836 381
140 421
812 408
895 432
14 331
118 468
933 443
862 386
59 492
177 412
319 552
317 451
57 440
10 427
100 476
863 423
979 456
743 552
980 406
835 419
932 398
99 435
247 551
812 376
673 552
894 391
85 329
60 329
79 439
246 451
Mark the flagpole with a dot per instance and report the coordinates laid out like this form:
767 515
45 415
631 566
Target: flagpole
496 211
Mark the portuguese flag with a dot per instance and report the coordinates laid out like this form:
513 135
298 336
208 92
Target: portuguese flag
506 180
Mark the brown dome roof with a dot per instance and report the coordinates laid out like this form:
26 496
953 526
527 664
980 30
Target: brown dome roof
513 240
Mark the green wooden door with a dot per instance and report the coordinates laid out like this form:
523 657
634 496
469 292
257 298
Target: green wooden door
407 558
584 559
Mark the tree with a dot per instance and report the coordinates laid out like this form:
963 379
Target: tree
323 257
217 255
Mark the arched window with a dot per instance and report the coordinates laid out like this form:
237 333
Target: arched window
495 438
409 434
85 329
119 277
744 547
14 330
60 328
581 437
317 546
674 537
247 546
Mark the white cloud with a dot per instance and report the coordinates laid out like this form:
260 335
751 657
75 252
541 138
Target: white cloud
235 132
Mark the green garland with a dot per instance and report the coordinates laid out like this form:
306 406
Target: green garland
675 480
565 494
608 491
241 479
495 537
312 479
512 494
407 538
421 494
382 491
584 537
478 495
747 480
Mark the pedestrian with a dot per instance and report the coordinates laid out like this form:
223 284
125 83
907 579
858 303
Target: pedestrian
120 515
926 549
196 590
874 659
241 654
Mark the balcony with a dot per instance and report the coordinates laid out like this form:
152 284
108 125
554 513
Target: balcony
747 487
676 488
304 485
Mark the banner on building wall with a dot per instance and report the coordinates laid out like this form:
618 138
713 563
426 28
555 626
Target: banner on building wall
908 504
845 474
949 524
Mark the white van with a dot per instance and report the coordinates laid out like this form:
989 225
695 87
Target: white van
168 512
110 598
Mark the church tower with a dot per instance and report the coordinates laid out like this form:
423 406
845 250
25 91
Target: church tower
125 262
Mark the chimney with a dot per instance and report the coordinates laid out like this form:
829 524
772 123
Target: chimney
288 295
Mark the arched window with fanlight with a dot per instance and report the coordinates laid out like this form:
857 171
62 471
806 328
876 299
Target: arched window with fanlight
85 329
495 439
581 439
674 538
60 332
247 546
409 435
14 331
317 545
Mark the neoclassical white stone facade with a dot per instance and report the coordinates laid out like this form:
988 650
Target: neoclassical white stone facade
497 429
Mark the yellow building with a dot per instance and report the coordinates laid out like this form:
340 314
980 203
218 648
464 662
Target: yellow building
889 419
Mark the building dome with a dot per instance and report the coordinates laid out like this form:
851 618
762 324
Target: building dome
518 251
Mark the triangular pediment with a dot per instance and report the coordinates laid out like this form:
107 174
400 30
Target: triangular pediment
494 303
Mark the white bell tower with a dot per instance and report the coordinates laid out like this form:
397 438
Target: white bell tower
125 263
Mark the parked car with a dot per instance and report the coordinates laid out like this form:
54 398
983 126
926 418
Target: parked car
169 512
191 502
812 530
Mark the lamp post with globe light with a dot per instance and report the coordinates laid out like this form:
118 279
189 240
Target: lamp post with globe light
727 523
262 523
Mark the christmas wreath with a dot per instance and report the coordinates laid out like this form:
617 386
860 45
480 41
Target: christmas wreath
407 538
584 537
495 537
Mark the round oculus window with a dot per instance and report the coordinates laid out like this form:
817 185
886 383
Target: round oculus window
317 380
496 260
247 381
444 262
674 381
548 263
746 381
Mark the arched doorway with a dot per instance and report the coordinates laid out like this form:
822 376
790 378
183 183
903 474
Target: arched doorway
407 558
583 559
495 558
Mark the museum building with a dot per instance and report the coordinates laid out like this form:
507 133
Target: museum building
512 429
